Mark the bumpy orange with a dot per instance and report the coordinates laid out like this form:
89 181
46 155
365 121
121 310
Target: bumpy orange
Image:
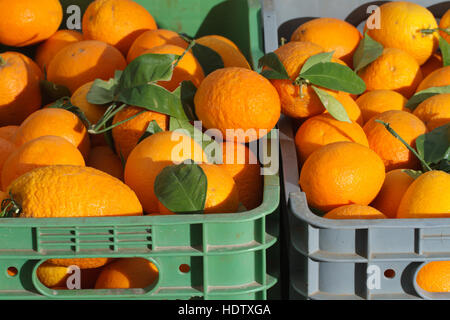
354 211
434 111
237 99
341 173
434 276
438 78
373 103
6 149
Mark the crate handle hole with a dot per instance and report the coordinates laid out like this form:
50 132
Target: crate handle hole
184 268
12 271
389 273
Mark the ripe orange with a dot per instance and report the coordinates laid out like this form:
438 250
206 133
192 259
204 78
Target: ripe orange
82 263
188 67
6 148
293 55
434 276
237 99
341 173
127 135
231 56
27 22
394 70
243 165
434 111
154 38
323 129
116 22
445 24
153 154
104 159
20 93
354 211
54 122
84 61
49 48
125 273
400 25
392 151
332 35
438 78
222 195
40 152
427 197
351 107
373 103
394 187
8 132
435 62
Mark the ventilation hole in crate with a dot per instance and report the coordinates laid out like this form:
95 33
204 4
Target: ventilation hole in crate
185 268
12 271
389 273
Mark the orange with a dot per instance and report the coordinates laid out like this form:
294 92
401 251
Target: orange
3 196
435 62
127 135
394 70
154 38
6 149
82 263
434 111
324 129
392 151
126 273
222 195
8 132
438 78
444 23
373 103
237 99
50 47
400 25
351 107
54 122
20 93
40 152
72 191
427 197
84 61
26 22
434 276
394 187
116 22
188 68
293 55
341 173
153 154
354 211
243 165
332 35
231 56
104 159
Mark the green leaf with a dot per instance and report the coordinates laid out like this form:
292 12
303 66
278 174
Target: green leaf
103 92
443 165
276 68
334 76
64 103
51 91
434 146
209 59
368 51
413 173
320 57
423 95
333 106
182 188
187 91
445 51
152 128
154 98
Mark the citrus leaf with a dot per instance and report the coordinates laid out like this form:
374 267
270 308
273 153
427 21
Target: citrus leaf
209 59
102 92
445 51
434 146
413 173
334 76
187 91
368 51
320 57
152 128
64 103
182 188
333 106
51 91
423 95
154 98
443 165
276 68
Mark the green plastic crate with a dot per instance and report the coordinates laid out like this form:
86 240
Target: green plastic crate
230 256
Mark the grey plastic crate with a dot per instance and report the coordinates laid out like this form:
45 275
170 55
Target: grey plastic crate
346 259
